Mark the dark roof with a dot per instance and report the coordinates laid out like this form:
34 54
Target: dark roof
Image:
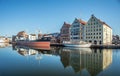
104 23
33 34
81 21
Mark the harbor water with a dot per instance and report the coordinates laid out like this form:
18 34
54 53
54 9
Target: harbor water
58 61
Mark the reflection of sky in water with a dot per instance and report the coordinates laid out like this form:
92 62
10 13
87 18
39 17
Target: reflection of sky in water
60 62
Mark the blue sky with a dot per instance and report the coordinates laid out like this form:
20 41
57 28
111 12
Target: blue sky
49 15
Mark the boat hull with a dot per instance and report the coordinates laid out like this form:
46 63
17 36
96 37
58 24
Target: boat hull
78 45
42 44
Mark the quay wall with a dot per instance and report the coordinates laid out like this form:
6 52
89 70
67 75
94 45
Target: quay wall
93 46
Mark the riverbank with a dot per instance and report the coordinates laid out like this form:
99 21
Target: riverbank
93 46
106 46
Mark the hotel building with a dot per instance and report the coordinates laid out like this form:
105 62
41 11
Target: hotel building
97 32
77 30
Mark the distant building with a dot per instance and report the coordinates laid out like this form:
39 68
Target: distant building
64 32
4 39
55 37
77 30
32 37
14 38
54 34
22 35
40 36
97 32
115 39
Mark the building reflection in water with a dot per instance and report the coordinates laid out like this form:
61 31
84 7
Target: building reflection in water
92 60
3 45
38 52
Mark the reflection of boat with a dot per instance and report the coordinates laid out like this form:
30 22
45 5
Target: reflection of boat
46 51
41 48
34 47
43 42
76 49
77 44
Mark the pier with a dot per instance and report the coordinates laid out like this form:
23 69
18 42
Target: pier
92 46
57 44
106 46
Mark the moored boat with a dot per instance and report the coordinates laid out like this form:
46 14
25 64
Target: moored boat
77 44
43 42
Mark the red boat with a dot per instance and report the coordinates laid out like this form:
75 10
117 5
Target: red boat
43 42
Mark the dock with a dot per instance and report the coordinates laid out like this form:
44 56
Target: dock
57 44
92 46
106 46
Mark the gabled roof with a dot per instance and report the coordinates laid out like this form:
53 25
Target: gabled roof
66 24
81 21
104 23
100 21
33 34
22 33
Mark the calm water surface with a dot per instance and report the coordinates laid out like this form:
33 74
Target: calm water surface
24 61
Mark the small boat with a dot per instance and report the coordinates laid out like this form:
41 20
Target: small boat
43 42
77 44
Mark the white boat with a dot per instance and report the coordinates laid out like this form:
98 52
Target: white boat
77 49
77 44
